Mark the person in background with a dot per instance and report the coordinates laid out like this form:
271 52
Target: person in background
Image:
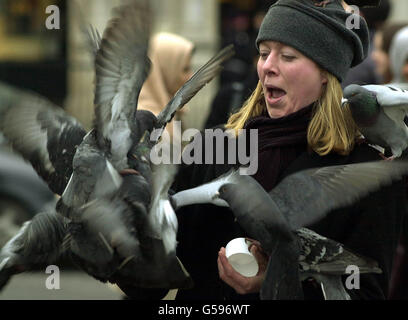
366 72
234 92
381 50
171 66
230 98
399 58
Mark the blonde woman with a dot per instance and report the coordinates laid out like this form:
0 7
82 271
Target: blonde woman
305 50
171 66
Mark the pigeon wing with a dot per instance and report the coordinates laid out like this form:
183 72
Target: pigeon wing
104 220
307 196
93 39
161 215
42 133
323 255
121 66
390 96
199 79
256 211
93 177
394 102
205 193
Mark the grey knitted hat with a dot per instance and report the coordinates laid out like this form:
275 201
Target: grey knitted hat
318 30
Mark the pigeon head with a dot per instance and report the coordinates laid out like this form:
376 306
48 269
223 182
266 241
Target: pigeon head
226 192
260 217
362 103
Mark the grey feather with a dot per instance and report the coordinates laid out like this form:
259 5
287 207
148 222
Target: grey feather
38 243
326 256
205 193
379 112
93 177
199 79
93 39
41 132
121 66
307 196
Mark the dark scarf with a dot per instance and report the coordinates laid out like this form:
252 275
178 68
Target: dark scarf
280 141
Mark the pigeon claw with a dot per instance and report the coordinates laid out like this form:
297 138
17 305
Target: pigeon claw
128 172
322 3
386 158
360 141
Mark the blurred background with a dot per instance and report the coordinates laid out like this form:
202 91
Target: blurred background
56 64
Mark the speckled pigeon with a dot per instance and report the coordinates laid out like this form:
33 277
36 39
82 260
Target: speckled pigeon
326 261
379 112
272 218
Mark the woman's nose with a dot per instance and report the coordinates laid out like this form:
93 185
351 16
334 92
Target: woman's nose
271 65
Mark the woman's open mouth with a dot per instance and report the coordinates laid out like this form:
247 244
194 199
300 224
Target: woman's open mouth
274 94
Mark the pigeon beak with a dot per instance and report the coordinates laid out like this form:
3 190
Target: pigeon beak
344 102
216 195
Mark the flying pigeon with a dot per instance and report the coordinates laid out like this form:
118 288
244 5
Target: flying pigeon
379 113
38 243
108 179
42 133
273 218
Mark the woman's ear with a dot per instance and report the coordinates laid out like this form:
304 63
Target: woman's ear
324 78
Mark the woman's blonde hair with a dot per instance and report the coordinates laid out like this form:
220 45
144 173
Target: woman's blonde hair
331 129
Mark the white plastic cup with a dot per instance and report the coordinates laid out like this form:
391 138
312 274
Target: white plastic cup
240 258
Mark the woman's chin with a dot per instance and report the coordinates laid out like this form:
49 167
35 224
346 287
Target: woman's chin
275 102
277 107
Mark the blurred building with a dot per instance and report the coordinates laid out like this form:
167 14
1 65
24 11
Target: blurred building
30 54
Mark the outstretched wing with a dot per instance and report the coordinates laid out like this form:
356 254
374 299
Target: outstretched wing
121 66
256 211
91 34
162 217
93 177
103 219
42 132
199 79
307 196
93 39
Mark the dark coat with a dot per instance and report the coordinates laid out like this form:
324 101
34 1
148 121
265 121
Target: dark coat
370 227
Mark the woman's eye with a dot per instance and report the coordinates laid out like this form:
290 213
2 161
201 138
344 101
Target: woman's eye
263 55
288 57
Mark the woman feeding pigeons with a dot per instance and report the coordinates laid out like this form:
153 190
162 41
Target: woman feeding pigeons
305 49
125 232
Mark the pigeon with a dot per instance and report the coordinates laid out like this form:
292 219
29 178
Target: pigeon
326 260
273 219
379 112
118 222
39 242
42 133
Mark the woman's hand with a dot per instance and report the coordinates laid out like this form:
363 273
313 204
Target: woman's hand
241 284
